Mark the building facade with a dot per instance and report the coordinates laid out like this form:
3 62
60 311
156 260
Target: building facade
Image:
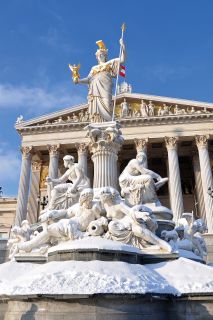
176 134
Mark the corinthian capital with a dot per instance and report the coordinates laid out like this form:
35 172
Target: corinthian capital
53 149
36 166
141 144
81 148
26 151
171 142
202 141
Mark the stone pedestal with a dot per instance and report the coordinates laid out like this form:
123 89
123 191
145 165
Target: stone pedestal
105 142
206 176
21 211
175 192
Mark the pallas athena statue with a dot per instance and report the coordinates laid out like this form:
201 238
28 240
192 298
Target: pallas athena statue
100 82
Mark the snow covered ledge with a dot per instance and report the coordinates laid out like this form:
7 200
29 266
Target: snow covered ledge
94 289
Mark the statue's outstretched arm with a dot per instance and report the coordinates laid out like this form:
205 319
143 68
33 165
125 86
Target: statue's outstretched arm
83 81
62 179
154 174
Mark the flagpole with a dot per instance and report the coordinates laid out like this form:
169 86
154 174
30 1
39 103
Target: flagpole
119 62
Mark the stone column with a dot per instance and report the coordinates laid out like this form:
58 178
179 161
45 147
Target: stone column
53 165
141 146
104 146
175 192
82 155
198 187
21 210
206 177
33 205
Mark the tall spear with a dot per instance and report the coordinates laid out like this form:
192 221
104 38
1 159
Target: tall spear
123 28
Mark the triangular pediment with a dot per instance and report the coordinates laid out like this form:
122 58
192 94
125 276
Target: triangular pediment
143 105
64 115
138 106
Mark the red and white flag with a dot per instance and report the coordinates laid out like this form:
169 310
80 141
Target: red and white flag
122 71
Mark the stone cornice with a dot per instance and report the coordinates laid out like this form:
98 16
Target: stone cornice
127 122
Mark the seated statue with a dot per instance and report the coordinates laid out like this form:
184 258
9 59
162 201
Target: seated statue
134 226
77 219
63 194
137 182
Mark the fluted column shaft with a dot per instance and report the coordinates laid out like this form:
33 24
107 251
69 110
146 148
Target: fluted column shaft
206 176
199 187
21 210
33 204
82 156
175 191
141 146
105 143
105 167
53 165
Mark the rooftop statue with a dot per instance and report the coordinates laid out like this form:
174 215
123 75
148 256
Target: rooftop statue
100 83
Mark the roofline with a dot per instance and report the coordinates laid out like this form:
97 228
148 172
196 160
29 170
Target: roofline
166 99
48 116
120 96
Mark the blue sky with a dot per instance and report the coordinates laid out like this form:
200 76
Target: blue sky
169 46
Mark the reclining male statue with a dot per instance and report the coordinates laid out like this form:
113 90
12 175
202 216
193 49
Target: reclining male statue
76 221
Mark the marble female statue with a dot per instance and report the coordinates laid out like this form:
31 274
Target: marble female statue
137 182
143 109
100 83
77 219
134 226
63 195
124 109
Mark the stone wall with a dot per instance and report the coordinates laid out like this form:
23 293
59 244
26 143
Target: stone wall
103 307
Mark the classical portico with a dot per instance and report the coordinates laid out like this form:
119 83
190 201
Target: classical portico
175 134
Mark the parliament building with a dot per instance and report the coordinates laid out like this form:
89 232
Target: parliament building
176 134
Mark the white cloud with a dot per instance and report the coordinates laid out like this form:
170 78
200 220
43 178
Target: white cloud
36 99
